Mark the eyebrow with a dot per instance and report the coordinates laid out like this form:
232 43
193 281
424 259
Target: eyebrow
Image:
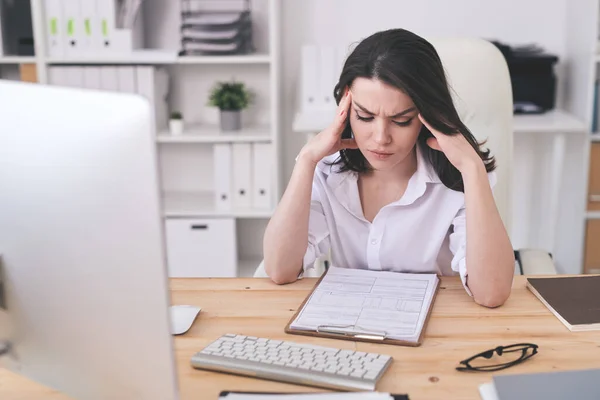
400 114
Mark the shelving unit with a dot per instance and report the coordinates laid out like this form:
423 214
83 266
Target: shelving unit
186 161
583 19
14 60
212 134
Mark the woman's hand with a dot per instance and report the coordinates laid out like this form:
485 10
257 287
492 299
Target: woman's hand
456 148
329 140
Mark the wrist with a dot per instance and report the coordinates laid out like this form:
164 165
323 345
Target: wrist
473 169
305 158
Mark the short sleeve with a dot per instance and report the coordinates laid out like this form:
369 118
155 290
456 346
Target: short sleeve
318 230
458 240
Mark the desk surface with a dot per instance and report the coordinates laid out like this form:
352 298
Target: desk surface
458 329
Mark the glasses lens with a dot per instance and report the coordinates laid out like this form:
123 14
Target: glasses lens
509 355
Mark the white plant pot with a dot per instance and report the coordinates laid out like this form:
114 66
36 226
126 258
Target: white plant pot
176 126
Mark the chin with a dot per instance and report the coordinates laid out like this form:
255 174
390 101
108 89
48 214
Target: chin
382 165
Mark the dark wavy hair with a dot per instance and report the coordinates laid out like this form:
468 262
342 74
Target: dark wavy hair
410 63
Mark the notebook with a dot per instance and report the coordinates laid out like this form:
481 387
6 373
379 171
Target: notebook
557 385
363 305
574 300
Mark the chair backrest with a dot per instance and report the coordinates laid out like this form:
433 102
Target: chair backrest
481 88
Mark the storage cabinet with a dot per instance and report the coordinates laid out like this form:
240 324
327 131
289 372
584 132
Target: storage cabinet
201 247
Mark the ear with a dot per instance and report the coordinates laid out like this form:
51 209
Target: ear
433 143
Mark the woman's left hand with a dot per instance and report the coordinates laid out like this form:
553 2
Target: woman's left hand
456 148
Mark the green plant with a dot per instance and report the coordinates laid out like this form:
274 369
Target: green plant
230 96
176 115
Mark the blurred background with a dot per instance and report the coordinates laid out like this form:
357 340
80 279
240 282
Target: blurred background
239 85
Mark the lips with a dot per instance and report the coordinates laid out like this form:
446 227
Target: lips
380 153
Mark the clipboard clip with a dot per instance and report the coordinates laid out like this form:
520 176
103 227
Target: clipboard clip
351 331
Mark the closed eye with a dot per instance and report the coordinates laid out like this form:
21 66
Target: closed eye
364 118
404 123
368 119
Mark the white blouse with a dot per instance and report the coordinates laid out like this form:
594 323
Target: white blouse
423 232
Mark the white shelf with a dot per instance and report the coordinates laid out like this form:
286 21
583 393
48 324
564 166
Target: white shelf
202 205
17 59
152 57
156 57
247 266
592 215
554 121
233 59
595 137
212 134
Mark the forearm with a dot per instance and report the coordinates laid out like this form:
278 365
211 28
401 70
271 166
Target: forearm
286 235
490 256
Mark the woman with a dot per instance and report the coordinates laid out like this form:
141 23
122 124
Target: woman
397 182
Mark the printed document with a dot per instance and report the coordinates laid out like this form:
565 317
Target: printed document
390 304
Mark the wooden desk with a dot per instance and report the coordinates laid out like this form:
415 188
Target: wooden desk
458 329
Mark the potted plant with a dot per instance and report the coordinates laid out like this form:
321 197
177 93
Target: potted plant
176 123
231 98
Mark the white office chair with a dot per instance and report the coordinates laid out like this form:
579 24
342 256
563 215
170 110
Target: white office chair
480 83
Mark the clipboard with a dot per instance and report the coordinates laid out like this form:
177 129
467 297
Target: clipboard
224 394
357 335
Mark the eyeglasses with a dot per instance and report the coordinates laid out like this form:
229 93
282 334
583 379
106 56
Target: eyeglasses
513 354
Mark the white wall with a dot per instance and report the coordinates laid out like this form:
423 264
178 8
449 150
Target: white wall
345 22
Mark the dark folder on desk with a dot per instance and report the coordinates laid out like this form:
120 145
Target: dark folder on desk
370 306
575 301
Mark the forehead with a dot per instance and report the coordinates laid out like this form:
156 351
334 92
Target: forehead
379 97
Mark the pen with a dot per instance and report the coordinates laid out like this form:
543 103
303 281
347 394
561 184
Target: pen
326 265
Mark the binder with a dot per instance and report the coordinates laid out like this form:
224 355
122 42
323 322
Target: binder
89 26
222 154
109 78
92 78
262 161
73 31
55 28
354 333
126 79
242 167
327 76
340 59
309 76
106 16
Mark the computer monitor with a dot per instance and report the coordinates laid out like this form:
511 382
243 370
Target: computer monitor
83 261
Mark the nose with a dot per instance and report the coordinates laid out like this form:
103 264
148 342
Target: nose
381 134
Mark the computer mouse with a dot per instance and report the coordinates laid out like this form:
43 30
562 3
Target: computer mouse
182 318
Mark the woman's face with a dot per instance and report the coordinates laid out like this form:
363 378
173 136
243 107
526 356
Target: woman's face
384 122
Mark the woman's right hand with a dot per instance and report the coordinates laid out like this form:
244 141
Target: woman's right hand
329 140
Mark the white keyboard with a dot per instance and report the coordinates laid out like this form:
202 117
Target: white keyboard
292 362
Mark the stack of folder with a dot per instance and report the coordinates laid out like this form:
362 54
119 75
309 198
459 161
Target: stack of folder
206 31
